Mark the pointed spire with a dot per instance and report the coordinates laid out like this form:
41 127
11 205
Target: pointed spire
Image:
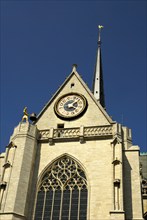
98 89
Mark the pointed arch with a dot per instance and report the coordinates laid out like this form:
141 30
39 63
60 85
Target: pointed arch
62 191
57 158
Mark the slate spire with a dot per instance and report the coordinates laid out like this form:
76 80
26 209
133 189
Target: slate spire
98 87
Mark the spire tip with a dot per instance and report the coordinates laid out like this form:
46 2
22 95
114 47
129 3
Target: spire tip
100 27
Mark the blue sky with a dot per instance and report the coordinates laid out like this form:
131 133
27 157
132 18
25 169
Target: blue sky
40 40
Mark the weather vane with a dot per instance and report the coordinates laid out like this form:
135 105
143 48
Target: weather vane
100 27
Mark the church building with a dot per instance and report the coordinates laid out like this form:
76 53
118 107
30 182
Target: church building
71 161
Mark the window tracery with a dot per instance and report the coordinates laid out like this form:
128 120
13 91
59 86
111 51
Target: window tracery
62 192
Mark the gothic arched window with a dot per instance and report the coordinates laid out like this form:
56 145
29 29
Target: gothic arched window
62 192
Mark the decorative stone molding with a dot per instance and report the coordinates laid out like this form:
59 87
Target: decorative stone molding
144 188
7 164
116 182
3 185
66 133
11 145
44 134
51 142
116 140
97 131
79 133
116 161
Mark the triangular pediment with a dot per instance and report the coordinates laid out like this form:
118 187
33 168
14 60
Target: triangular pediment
94 115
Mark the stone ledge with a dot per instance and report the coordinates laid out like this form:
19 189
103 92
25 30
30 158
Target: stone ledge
12 215
133 148
117 212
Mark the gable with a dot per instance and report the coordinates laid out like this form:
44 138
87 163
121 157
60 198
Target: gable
94 115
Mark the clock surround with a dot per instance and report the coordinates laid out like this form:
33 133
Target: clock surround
70 106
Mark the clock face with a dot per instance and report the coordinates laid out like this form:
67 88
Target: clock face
70 105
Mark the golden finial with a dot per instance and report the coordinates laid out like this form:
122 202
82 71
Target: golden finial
25 115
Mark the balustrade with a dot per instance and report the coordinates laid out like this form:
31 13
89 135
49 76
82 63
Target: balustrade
67 133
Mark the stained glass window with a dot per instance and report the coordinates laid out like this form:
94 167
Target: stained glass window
62 193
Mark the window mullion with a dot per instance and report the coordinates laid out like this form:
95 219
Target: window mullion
52 204
61 203
79 204
44 204
70 204
35 206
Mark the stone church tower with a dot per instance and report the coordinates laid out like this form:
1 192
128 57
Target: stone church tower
73 162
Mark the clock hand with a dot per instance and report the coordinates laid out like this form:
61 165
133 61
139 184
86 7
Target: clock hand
71 105
75 101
